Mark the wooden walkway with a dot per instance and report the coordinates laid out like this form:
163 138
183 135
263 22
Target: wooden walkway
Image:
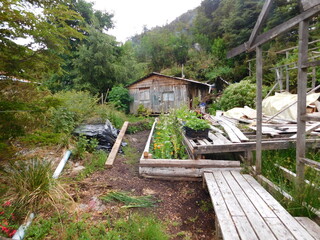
245 210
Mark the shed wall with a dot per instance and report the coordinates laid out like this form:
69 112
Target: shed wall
160 94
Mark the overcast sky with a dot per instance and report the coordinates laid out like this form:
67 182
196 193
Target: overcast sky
131 15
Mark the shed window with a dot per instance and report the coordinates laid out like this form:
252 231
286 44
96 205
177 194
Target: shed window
168 96
144 94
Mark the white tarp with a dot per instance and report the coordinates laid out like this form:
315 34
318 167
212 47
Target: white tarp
274 104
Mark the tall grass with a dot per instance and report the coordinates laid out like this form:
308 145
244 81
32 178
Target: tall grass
304 199
30 186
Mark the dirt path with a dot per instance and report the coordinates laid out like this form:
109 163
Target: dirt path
185 207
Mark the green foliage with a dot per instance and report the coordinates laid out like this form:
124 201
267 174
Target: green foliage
140 125
167 139
130 201
62 120
143 111
93 163
83 146
239 95
197 124
42 138
31 186
305 197
130 228
120 97
47 31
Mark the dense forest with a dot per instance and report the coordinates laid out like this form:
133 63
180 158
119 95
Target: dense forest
67 47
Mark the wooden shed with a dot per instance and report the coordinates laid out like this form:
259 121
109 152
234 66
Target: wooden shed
159 93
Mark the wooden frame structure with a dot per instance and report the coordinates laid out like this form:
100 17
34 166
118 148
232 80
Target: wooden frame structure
311 8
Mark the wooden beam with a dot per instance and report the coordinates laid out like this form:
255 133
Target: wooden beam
274 32
259 76
302 100
310 162
116 146
311 64
261 19
188 163
306 4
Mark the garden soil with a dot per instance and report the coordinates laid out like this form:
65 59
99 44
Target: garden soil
184 207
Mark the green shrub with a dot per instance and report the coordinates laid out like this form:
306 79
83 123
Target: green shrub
42 138
84 145
121 98
239 95
143 111
62 120
80 104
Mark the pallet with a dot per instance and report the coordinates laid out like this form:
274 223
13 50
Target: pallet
245 210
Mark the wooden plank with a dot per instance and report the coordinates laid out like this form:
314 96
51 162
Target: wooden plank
232 136
306 4
261 19
259 77
279 229
116 146
257 222
223 138
180 171
274 32
236 130
202 143
302 100
215 140
292 225
244 228
308 129
310 226
228 229
216 129
206 141
188 163
311 64
310 162
256 200
227 194
249 146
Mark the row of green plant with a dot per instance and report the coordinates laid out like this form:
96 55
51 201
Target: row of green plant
167 138
305 197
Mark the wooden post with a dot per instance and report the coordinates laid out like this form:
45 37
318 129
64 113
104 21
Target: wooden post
259 76
313 84
302 89
287 74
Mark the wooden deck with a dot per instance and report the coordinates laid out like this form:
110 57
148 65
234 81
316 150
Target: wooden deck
245 210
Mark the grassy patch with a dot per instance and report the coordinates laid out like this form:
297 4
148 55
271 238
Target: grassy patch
131 227
42 138
130 201
94 163
131 155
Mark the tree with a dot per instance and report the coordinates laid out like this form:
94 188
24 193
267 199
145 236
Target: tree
44 25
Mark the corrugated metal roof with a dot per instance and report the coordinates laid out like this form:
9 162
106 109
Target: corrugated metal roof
178 78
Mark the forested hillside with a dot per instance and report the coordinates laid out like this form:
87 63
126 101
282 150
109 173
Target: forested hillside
200 39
